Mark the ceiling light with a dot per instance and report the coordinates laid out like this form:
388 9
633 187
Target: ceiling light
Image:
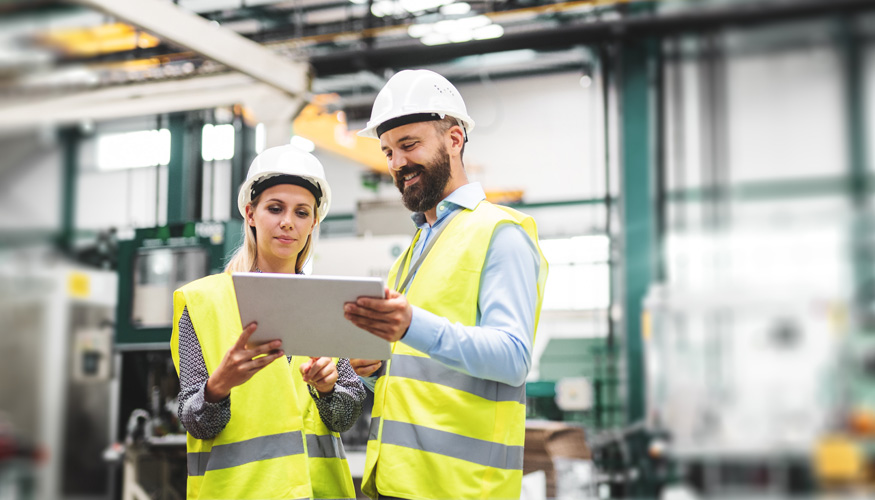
460 36
422 5
434 39
384 8
474 22
585 81
419 30
488 32
445 27
456 9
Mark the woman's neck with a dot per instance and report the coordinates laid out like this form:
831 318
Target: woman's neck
284 266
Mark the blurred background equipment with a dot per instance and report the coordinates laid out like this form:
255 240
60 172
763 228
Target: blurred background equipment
700 171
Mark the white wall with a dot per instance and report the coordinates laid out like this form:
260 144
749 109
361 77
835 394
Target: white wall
30 183
538 134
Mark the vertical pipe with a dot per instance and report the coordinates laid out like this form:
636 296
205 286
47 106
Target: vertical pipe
70 139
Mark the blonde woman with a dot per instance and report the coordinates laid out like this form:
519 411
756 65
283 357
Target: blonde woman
274 435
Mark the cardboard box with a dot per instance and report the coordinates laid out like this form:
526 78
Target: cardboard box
546 440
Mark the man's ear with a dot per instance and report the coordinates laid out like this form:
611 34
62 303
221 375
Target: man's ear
456 138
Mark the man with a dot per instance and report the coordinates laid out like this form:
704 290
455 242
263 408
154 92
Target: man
462 307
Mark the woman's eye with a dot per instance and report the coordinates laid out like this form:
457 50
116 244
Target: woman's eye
275 209
303 214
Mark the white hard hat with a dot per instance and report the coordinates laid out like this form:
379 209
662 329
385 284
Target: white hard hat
411 96
286 160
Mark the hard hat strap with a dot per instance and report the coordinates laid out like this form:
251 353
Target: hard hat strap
406 119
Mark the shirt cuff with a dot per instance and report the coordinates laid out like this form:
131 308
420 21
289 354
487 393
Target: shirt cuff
208 406
315 394
424 330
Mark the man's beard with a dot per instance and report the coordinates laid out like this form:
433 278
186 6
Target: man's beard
433 179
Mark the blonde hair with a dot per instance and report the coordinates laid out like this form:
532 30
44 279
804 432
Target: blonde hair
246 256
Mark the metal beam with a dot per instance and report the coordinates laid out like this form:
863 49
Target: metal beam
186 29
635 27
148 99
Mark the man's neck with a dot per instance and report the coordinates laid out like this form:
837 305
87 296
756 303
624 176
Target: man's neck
431 214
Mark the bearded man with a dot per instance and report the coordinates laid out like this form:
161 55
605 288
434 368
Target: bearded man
449 407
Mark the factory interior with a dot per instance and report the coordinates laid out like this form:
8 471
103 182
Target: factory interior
699 171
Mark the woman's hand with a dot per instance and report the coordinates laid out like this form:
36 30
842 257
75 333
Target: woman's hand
365 367
321 373
240 364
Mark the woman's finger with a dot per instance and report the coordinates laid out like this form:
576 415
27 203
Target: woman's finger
244 336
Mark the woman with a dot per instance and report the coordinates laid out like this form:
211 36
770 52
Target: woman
266 436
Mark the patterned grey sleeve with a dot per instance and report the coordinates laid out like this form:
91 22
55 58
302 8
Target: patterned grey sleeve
202 419
340 409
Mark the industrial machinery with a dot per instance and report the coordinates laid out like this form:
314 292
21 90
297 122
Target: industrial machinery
56 390
149 440
718 365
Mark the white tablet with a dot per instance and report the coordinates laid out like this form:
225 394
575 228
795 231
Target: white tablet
306 312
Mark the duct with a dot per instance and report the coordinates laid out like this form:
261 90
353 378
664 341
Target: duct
195 33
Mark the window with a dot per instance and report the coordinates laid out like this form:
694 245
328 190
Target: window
218 142
579 276
143 148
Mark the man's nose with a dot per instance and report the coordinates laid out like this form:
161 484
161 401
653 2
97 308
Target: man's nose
397 162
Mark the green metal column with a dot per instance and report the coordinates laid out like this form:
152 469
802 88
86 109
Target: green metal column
244 153
184 172
637 167
863 225
70 138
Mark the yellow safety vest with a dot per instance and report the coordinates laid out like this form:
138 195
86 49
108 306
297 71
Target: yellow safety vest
437 433
329 470
262 453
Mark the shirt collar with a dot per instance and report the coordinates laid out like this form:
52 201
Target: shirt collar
467 196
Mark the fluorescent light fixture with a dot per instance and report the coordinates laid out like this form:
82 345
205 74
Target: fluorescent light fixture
434 39
488 32
462 35
456 9
419 30
303 144
474 22
422 5
445 27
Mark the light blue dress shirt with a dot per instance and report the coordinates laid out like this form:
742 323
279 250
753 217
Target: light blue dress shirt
499 347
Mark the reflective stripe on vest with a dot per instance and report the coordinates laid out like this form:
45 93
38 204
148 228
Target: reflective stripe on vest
326 446
427 370
329 471
223 456
453 445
